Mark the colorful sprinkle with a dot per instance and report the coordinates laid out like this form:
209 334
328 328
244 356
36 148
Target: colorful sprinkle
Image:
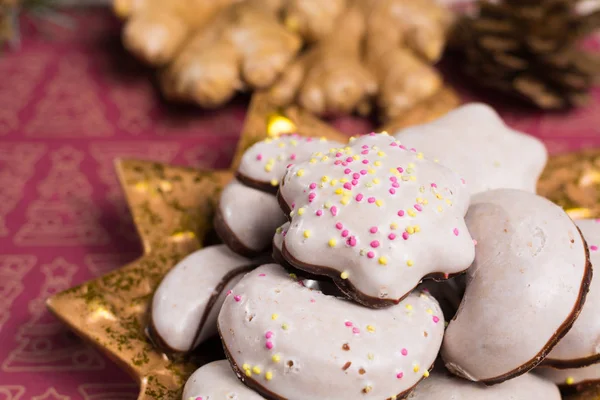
237 298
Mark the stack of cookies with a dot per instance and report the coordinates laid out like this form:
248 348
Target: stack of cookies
350 270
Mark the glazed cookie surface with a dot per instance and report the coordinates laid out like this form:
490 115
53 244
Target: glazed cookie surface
572 376
247 218
217 381
581 346
475 142
377 218
264 163
440 386
186 304
290 342
524 290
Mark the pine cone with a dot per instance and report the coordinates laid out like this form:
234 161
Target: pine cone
530 48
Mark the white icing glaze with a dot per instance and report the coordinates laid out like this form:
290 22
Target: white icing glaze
523 286
217 381
440 386
320 347
266 161
180 300
571 376
583 340
252 215
377 214
475 142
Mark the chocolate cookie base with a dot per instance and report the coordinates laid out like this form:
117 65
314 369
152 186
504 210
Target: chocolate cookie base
230 239
266 187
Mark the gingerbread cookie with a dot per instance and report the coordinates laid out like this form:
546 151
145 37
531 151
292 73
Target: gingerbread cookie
246 219
264 164
524 290
187 301
572 377
287 341
216 381
377 218
473 141
581 346
441 386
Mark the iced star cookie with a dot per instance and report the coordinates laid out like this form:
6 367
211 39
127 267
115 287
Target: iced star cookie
217 381
186 304
377 218
246 219
440 386
264 164
524 290
573 377
581 346
287 341
473 141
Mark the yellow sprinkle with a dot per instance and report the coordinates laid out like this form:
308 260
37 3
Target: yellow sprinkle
356 157
332 242
411 212
429 311
313 160
274 316
256 369
371 171
376 180
248 373
449 202
416 368
300 172
380 153
323 139
268 140
347 148
377 163
417 228
333 182
409 263
301 210
268 375
419 200
411 165
409 170
293 276
318 154
425 201
324 158
327 204
378 203
393 226
384 133
332 150
245 366
284 326
294 142
344 275
570 380
352 139
324 178
292 213
274 182
343 180
367 389
436 160
409 307
383 260
419 156
280 157
339 191
439 196
413 178
345 200
370 328
370 356
307 234
278 230
426 374
281 145
410 230
422 189
440 209
276 358
268 167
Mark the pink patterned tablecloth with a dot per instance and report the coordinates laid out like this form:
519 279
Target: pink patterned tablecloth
69 104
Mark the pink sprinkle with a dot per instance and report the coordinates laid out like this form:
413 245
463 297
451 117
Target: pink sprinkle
404 352
463 181
337 162
392 191
370 254
229 292
351 241
396 184
375 244
334 211
393 144
313 186
399 375
293 157
344 163
312 195
319 213
289 165
237 298
373 229
400 169
293 205
433 185
355 330
372 134
364 152
593 248
354 182
355 175
371 199
312 300
363 171
345 233
474 242
455 231
338 154
413 150
339 225
359 197
401 213
418 207
365 161
393 179
392 236
261 275
402 147
348 323
364 146
436 319
259 157
349 159
269 345
405 235
597 220
348 186
269 335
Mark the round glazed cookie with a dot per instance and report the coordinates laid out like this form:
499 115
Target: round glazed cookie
524 290
441 386
573 377
287 341
186 304
264 163
247 218
216 381
377 218
581 346
474 141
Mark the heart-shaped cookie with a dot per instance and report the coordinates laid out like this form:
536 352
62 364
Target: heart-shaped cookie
217 381
290 342
571 377
246 219
186 304
581 346
524 290
474 141
441 386
377 218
